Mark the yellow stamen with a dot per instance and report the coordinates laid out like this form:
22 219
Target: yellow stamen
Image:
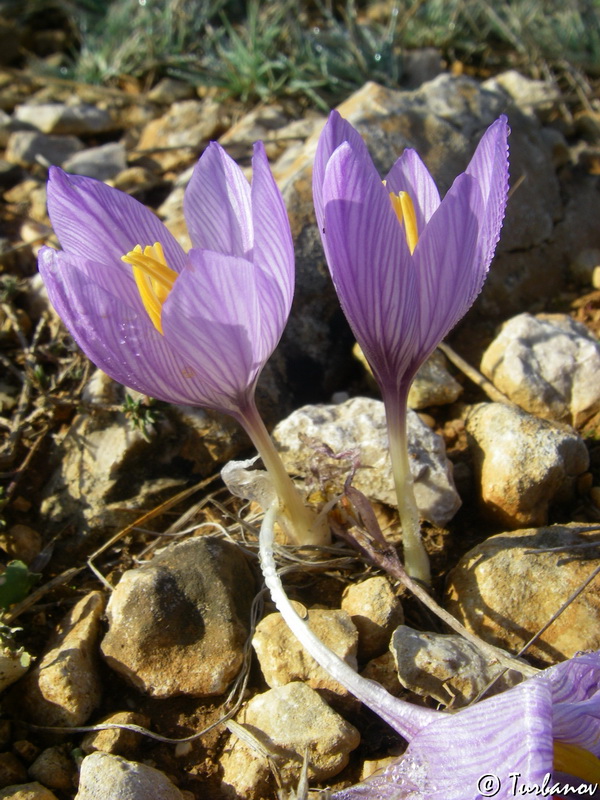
154 279
576 761
405 211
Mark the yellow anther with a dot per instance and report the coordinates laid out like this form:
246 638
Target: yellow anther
154 279
575 761
405 211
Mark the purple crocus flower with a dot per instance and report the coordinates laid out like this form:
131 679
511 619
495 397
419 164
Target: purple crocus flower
192 327
532 740
406 266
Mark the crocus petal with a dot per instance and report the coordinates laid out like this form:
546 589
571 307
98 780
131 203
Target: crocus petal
273 254
217 205
509 733
122 342
212 318
450 274
409 174
369 259
336 131
98 223
576 696
489 166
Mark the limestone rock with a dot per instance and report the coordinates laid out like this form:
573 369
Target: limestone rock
524 464
549 365
177 625
102 163
283 659
186 126
103 776
60 118
105 464
24 148
359 425
118 741
11 770
53 768
508 587
446 667
27 791
64 687
288 721
376 612
532 96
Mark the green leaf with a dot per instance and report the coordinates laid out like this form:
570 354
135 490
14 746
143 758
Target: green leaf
16 583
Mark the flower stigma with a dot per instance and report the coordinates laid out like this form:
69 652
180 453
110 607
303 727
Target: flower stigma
576 761
154 279
405 211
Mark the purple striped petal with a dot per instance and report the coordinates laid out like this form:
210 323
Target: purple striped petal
409 174
450 275
576 696
217 205
121 341
273 247
489 166
97 223
336 131
369 259
212 319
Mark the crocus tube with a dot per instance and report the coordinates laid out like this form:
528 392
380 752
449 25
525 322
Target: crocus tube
543 732
406 266
195 327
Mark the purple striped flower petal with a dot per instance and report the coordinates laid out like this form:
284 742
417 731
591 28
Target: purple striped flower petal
409 174
121 341
217 205
378 274
273 247
400 305
222 308
98 223
496 746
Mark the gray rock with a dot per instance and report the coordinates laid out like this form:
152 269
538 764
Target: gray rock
103 776
28 148
549 365
60 118
103 162
376 611
287 722
523 464
511 585
359 426
283 659
64 687
178 624
169 90
446 667
531 96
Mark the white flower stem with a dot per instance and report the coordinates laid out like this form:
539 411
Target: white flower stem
416 560
405 718
301 524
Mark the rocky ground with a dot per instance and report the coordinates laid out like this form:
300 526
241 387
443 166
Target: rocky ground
148 587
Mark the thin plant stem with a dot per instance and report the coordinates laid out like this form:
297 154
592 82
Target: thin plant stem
301 524
416 559
406 718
